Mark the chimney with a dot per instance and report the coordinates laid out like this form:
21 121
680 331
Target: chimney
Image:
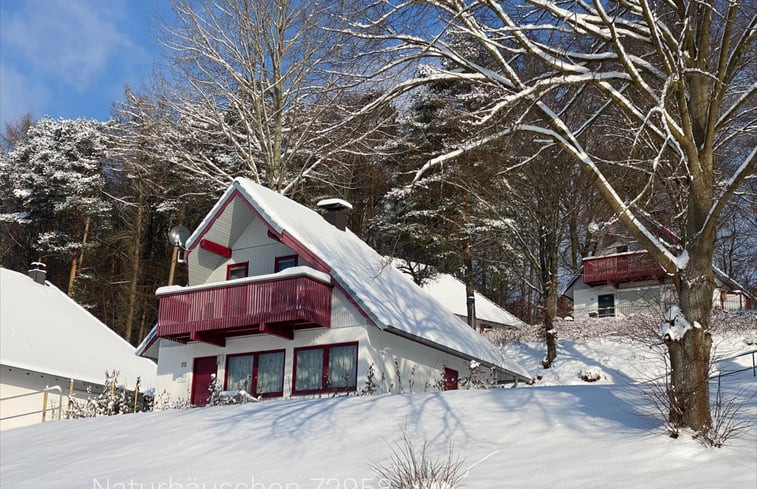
337 211
38 272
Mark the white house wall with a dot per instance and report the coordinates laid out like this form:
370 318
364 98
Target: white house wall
15 381
649 297
420 368
176 361
629 298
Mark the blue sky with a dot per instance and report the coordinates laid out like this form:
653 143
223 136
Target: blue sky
72 58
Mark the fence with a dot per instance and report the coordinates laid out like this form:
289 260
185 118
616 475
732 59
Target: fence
45 394
753 368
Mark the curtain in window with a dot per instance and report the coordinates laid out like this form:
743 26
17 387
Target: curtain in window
342 361
270 372
239 375
309 370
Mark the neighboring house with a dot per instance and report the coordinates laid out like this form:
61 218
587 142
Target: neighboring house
450 291
283 302
47 339
621 279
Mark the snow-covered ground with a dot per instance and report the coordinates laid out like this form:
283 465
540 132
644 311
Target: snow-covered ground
559 433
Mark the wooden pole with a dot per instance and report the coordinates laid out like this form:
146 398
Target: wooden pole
174 259
136 395
70 396
44 406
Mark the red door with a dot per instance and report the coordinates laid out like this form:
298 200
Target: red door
450 379
203 373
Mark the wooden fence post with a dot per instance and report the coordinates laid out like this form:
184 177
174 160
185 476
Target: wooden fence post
44 406
136 395
70 395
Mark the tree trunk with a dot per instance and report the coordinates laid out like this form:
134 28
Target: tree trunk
77 260
550 311
136 268
689 392
470 289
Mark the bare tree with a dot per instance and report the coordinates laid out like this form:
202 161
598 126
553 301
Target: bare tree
672 80
262 80
15 131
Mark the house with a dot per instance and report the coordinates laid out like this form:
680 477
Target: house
284 302
451 292
47 340
621 279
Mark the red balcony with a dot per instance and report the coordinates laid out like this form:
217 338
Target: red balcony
268 304
624 267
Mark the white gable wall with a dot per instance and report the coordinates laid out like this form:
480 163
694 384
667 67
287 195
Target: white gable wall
253 246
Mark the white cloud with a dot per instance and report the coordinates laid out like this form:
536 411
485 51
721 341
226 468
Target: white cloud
73 41
19 95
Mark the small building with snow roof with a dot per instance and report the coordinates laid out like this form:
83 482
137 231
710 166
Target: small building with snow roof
451 292
47 340
284 302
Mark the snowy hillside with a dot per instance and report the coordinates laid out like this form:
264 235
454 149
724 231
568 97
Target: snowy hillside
556 436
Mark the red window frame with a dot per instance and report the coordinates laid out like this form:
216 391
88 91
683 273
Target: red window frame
279 259
325 373
237 266
255 356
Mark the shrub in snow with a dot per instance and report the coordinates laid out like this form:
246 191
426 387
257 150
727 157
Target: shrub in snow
590 374
163 402
478 377
214 391
411 467
226 398
728 418
114 399
372 386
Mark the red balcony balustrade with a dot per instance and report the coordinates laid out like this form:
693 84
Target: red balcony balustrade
623 267
271 304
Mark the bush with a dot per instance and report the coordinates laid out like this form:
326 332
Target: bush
411 467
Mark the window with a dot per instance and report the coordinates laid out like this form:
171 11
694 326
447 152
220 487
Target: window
260 373
237 270
621 248
606 305
331 368
284 262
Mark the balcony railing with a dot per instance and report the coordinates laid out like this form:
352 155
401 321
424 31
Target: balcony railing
624 267
244 306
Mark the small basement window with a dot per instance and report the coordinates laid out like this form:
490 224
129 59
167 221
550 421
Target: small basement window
606 305
284 262
237 270
329 368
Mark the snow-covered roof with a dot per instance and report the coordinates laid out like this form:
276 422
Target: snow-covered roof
44 330
451 292
392 302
